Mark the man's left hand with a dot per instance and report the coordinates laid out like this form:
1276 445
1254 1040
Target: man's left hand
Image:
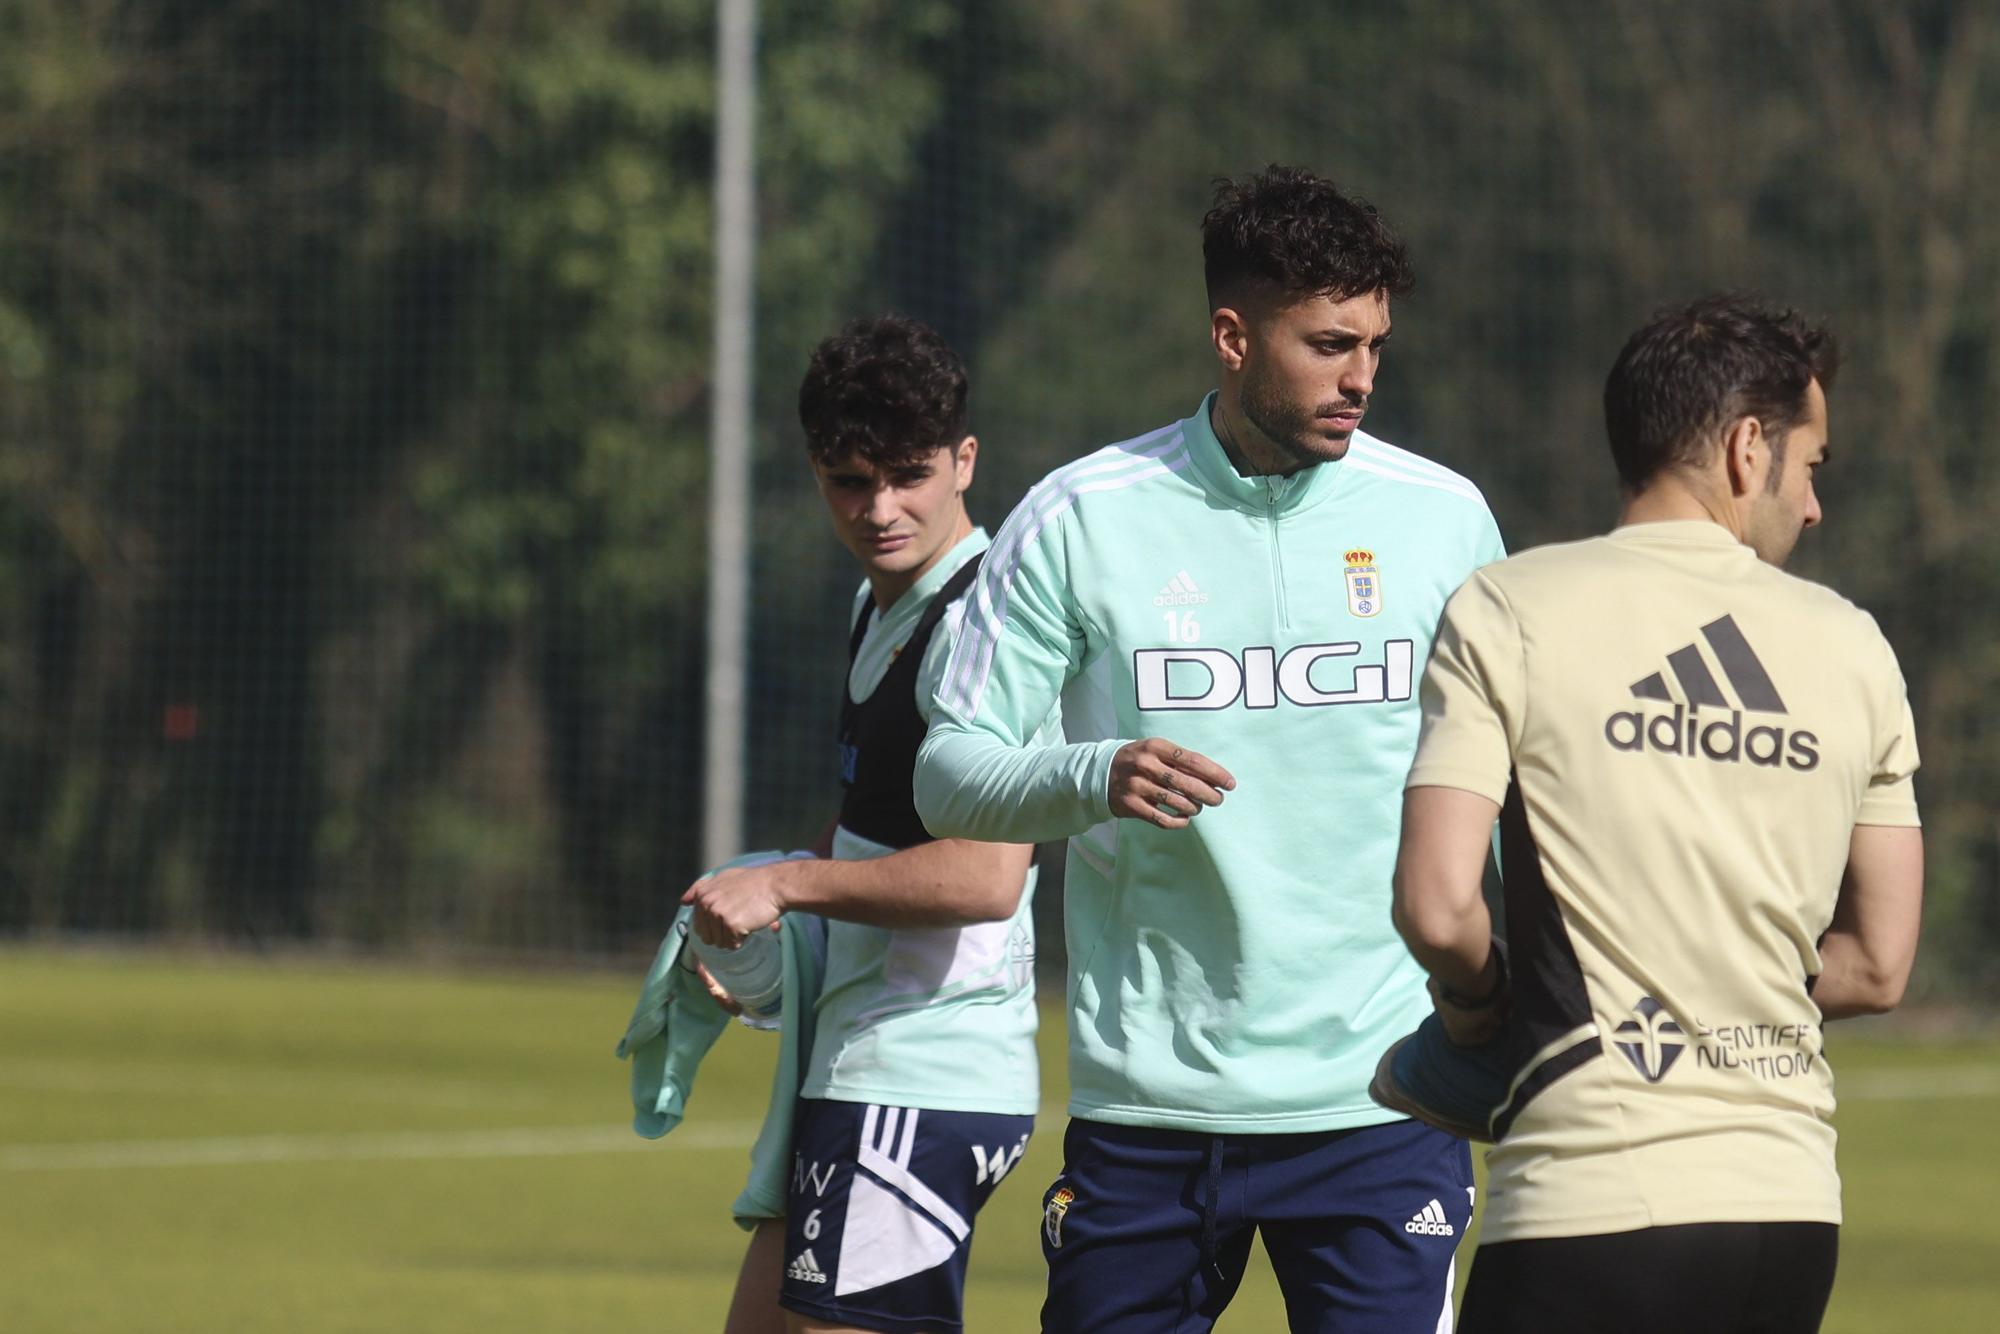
1469 1027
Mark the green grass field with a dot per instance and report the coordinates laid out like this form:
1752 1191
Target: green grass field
198 1145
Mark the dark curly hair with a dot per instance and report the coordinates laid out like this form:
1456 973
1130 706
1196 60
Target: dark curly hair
1289 231
886 388
1696 368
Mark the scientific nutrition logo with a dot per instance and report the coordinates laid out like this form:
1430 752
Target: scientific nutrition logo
1685 731
1651 1040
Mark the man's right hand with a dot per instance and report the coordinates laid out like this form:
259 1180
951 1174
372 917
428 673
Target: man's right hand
1163 784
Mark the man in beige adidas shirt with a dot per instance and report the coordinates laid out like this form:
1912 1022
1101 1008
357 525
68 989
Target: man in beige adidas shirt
1701 766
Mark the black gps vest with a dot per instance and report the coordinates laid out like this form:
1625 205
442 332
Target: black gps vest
879 737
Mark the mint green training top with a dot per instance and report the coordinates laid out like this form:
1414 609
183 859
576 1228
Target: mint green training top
936 1017
1241 974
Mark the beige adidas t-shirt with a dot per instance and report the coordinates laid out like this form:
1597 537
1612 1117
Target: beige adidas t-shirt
1691 736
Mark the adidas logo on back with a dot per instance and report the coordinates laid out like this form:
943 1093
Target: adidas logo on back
806 1269
1684 731
1180 592
1431 1222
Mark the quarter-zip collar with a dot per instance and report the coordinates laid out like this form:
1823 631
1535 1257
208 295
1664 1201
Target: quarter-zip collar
1271 496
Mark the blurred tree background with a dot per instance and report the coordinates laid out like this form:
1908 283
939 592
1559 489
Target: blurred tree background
354 370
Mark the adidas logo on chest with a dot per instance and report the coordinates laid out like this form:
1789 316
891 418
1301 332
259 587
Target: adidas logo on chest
1180 591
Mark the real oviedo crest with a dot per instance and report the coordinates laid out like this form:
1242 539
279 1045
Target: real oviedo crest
1364 583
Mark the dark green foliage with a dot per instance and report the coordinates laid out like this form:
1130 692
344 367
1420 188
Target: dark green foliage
354 381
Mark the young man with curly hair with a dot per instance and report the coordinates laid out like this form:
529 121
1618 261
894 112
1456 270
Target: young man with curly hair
922 1082
1233 610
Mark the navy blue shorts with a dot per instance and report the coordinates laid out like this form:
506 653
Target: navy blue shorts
1147 1231
879 1222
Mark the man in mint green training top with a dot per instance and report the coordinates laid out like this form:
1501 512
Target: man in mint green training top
1233 611
921 1085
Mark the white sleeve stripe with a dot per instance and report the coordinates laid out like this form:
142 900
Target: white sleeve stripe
1049 497
1456 487
1381 451
1387 460
968 675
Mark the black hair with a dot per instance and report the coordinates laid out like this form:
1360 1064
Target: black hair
1295 234
1696 368
886 388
